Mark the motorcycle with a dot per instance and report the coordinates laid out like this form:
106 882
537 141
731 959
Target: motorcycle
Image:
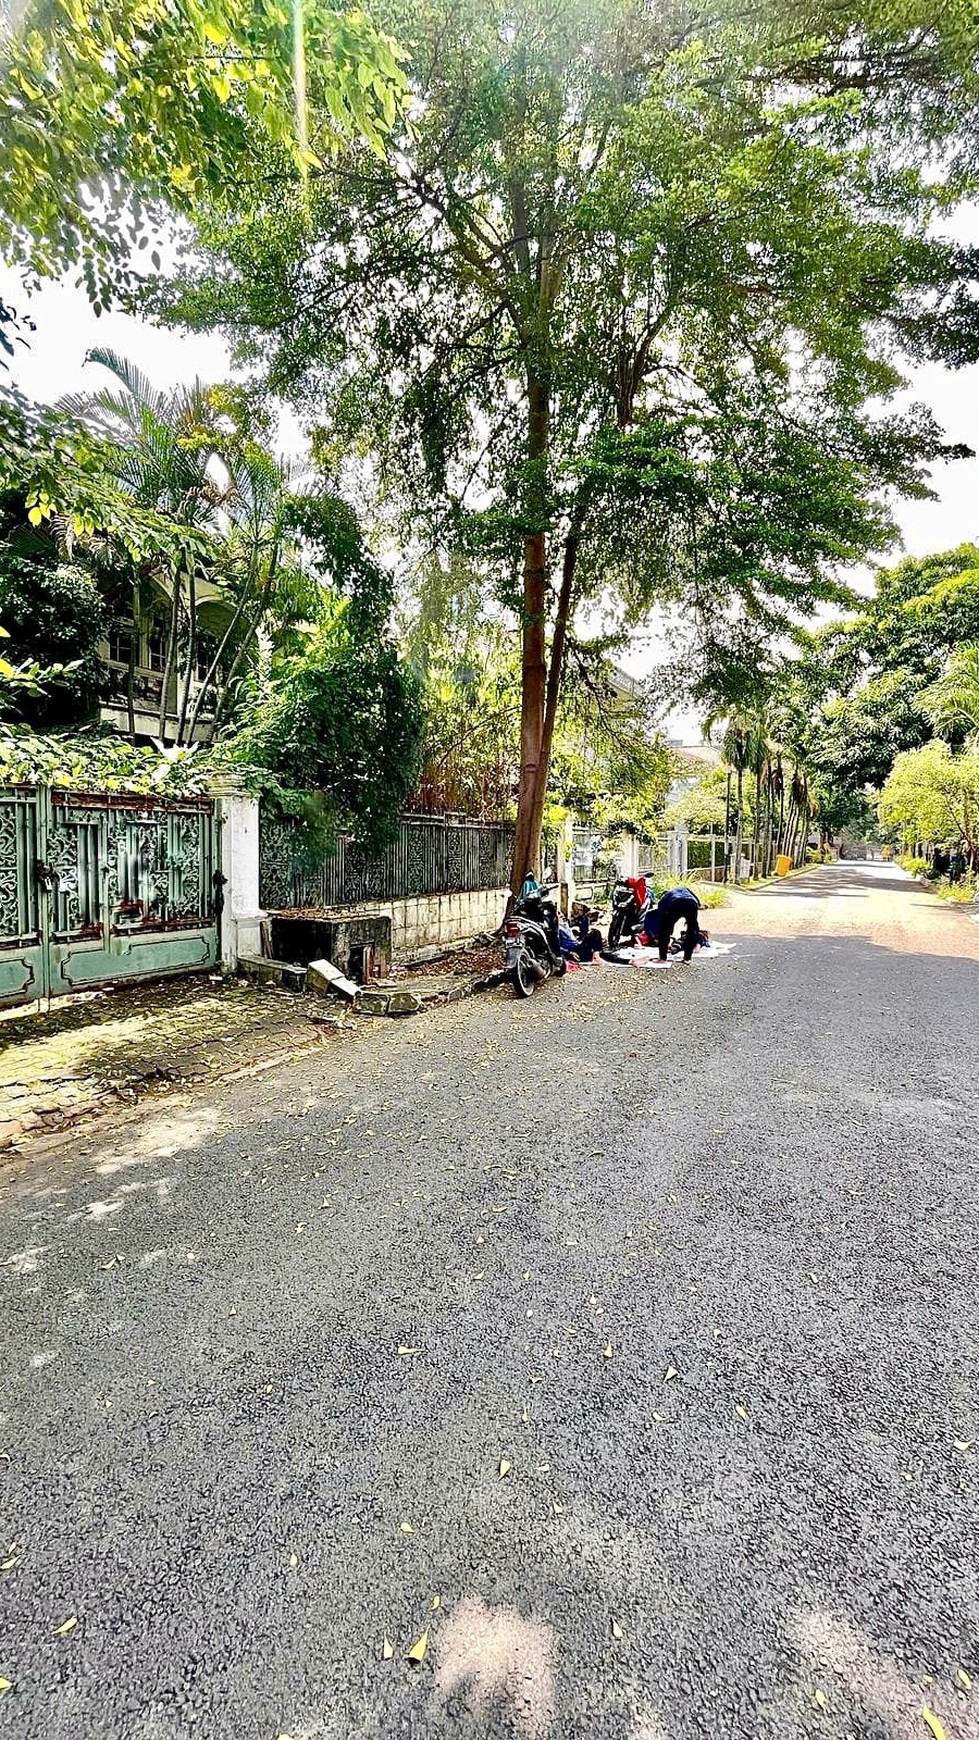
533 949
631 900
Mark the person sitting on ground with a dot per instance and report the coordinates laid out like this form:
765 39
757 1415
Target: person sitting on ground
590 943
662 920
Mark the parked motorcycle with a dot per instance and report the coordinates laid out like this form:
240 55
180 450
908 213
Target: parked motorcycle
533 949
631 900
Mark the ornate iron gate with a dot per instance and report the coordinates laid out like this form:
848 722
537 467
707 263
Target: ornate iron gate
97 886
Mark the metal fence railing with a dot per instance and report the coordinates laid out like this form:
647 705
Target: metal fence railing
431 855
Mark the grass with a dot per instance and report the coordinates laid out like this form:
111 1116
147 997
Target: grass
958 893
710 894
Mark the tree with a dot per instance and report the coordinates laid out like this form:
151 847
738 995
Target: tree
952 703
269 544
166 454
344 718
611 310
932 796
55 614
115 116
19 681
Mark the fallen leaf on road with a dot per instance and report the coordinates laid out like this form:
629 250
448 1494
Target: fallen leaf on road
387 1650
741 1412
671 1373
66 1625
964 1679
963 1444
505 1467
5 1684
294 1560
559 1510
820 1700
436 1603
608 1350
616 1629
417 1651
406 1528
406 1352
8 1564
933 1722
525 1417
4 1455
109 1265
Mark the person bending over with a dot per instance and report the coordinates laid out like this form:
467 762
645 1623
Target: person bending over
662 920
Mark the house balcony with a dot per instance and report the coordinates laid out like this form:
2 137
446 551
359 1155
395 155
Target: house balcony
141 718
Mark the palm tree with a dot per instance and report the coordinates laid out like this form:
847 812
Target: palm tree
261 577
737 753
173 457
169 461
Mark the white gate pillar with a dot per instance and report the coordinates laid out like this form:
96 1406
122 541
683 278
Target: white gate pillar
241 919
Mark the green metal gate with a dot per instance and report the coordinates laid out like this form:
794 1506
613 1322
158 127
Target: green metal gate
98 886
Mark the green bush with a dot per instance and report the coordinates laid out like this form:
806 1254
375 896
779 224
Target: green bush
343 719
914 866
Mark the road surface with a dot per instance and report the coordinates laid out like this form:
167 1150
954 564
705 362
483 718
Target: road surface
623 1342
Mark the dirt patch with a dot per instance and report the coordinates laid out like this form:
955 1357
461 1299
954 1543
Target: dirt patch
475 962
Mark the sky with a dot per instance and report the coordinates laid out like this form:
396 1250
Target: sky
67 329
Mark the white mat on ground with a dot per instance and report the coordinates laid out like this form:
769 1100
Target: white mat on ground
645 957
649 958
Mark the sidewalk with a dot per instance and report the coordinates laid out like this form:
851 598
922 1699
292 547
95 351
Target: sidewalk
93 1053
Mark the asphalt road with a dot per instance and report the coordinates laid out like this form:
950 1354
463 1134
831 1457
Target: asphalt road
690 1256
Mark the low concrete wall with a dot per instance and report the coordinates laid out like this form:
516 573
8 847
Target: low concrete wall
432 919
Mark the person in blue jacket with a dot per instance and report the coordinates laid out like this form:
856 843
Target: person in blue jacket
662 919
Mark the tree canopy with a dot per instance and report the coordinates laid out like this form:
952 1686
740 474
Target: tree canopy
113 115
619 309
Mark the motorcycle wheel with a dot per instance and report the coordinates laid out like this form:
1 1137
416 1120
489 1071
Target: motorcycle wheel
560 969
525 982
615 929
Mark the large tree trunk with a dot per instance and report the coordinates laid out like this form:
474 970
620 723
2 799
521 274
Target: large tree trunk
555 663
533 777
792 831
